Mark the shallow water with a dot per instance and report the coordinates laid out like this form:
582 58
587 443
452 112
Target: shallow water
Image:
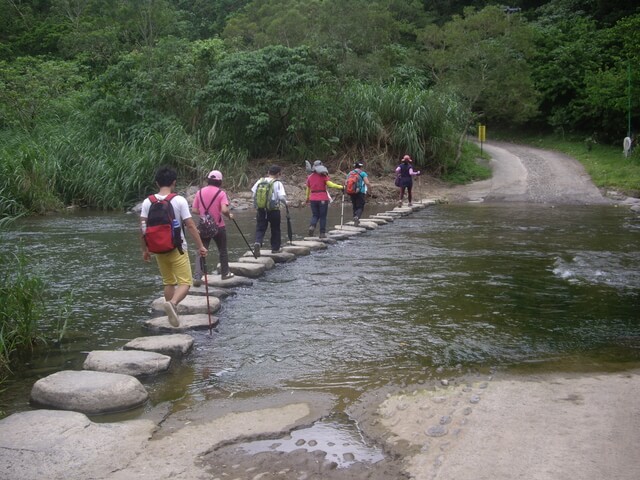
449 290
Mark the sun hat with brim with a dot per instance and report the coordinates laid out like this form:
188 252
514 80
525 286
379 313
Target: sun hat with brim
215 175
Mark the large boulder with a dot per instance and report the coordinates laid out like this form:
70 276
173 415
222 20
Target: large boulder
55 444
89 392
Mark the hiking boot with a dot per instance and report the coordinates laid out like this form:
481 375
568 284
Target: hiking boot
400 203
197 282
323 235
311 230
356 221
170 310
277 251
256 249
227 276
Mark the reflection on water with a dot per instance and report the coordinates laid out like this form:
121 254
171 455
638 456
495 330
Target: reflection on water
454 288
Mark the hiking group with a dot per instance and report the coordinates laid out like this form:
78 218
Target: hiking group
165 215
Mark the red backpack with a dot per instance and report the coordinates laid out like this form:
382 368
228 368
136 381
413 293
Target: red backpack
163 229
353 186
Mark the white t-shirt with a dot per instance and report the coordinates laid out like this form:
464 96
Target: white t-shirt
180 210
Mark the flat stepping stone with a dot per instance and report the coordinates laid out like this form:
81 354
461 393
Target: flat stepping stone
235 281
297 250
191 304
268 262
89 392
175 345
311 244
218 292
402 210
377 220
198 321
248 270
282 257
127 362
386 218
327 240
363 224
350 227
343 234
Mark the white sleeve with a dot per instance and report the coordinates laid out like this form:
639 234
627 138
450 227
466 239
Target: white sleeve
181 207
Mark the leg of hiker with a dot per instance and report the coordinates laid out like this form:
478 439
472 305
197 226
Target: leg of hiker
175 269
262 222
221 243
323 209
358 207
276 236
409 188
197 273
315 216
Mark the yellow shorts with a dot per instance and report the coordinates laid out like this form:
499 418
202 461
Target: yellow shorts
174 268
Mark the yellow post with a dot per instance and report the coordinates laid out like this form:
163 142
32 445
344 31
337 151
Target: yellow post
482 135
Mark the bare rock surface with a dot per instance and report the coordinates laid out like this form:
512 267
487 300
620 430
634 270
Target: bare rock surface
127 362
199 321
191 304
175 345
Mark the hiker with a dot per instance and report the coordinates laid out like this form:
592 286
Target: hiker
404 178
268 193
357 186
212 200
173 263
318 197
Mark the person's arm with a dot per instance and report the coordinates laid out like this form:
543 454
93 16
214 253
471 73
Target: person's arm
334 185
190 225
146 256
307 194
195 208
413 172
280 192
367 182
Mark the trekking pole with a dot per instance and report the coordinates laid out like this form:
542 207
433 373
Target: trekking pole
289 229
245 239
203 264
342 210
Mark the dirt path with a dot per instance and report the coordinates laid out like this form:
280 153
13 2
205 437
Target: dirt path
526 174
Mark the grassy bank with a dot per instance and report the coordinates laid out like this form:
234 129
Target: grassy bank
606 164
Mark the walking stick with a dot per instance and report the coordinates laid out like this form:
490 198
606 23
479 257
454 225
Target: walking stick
342 210
203 264
289 229
245 239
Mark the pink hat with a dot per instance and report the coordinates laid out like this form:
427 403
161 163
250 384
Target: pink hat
215 175
407 158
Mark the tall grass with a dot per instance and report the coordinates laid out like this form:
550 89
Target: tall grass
402 120
21 308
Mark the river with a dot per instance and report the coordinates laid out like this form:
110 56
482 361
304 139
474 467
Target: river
450 290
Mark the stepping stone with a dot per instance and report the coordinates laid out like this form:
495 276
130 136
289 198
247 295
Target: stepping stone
218 292
199 321
268 262
129 362
343 234
402 210
347 228
89 392
296 250
235 281
249 270
377 220
175 345
327 240
311 244
282 257
190 305
364 224
386 218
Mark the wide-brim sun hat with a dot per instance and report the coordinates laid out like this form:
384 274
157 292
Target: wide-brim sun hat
215 175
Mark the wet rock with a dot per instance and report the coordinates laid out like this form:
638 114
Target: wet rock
445 420
89 392
187 322
127 362
268 263
297 250
191 304
244 269
474 399
174 345
437 431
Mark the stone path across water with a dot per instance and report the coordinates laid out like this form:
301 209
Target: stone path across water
109 380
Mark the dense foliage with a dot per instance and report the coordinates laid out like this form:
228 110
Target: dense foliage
95 94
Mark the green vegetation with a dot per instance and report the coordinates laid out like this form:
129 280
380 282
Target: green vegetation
21 307
95 95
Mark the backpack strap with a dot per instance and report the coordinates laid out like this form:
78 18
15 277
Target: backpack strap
206 210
